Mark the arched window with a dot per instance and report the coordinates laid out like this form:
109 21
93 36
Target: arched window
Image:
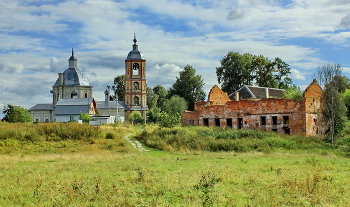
136 85
136 100
136 69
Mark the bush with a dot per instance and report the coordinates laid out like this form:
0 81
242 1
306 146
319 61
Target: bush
110 135
220 139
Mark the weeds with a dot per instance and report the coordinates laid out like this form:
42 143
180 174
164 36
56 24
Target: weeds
206 186
184 139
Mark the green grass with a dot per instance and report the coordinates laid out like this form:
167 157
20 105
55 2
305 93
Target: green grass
114 179
106 171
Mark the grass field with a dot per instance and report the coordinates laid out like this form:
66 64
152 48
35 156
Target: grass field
108 172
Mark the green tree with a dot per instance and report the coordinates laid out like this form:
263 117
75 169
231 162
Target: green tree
162 95
169 120
153 115
189 86
237 70
175 104
119 81
152 98
135 117
15 114
85 117
293 92
346 99
334 108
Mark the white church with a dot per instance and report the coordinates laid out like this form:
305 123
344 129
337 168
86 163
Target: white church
72 94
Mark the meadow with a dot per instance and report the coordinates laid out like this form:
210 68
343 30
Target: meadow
79 165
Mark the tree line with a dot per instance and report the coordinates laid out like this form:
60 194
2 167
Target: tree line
235 71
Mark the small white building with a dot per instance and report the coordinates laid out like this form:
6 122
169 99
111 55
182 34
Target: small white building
69 109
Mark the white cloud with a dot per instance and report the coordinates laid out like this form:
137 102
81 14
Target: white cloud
297 75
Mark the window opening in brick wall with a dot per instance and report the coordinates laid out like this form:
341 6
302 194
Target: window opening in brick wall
263 120
286 130
240 123
274 130
285 119
229 122
206 122
274 120
217 122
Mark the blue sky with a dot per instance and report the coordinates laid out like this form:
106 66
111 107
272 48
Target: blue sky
36 37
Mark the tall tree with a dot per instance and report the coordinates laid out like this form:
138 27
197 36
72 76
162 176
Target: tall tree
293 92
334 108
237 70
175 104
119 81
162 95
189 86
152 98
15 114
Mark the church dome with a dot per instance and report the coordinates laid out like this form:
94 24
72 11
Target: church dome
73 77
135 54
74 93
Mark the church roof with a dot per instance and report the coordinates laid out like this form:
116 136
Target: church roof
66 106
112 105
42 107
73 77
135 54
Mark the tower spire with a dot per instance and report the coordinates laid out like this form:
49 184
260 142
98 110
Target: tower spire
135 47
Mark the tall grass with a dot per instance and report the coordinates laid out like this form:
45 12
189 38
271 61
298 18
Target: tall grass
61 137
217 139
48 131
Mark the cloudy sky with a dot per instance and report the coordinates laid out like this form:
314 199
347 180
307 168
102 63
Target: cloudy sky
36 37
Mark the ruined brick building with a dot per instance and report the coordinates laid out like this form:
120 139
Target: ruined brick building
261 108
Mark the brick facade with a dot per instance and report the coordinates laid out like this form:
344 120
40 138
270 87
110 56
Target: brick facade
281 115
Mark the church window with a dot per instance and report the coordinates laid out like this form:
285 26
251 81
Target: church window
136 68
136 85
136 100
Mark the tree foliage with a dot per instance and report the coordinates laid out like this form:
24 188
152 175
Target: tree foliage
346 99
175 104
15 114
189 86
119 81
169 120
135 117
293 92
334 108
162 95
152 98
153 115
237 70
85 117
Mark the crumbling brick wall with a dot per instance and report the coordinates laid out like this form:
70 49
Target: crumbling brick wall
281 115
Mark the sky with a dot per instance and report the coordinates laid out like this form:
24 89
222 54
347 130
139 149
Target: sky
36 38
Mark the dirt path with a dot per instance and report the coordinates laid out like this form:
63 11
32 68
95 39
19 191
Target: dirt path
136 144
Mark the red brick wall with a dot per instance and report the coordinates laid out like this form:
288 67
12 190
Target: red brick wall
217 96
296 117
251 111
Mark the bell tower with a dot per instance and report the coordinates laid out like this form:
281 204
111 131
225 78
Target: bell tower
135 82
